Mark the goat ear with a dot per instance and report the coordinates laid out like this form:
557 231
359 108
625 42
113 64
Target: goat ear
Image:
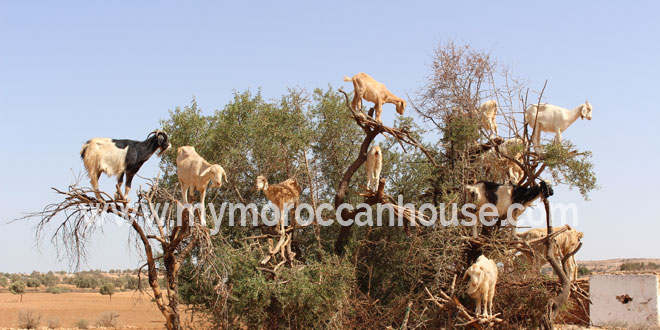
205 172
584 109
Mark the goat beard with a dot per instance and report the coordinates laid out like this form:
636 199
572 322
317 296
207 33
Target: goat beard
163 150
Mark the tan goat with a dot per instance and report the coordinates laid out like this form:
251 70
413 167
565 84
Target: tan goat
488 112
502 166
195 173
374 166
566 242
481 288
280 194
371 90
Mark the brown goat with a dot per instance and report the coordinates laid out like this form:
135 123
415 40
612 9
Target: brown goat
371 90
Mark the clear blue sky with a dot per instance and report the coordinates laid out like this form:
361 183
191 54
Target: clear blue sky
70 71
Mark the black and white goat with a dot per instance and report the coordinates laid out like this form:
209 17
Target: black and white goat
119 157
503 196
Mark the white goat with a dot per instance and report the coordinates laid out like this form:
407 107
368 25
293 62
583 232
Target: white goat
481 288
374 166
554 119
488 112
371 90
195 173
566 242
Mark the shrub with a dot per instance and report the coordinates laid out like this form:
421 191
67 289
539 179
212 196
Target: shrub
57 290
53 323
82 324
583 270
4 282
50 279
29 319
33 282
108 320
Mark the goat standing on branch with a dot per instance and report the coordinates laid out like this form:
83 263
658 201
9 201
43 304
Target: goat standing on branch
371 90
553 119
195 173
374 166
488 112
567 241
481 288
503 196
119 157
281 195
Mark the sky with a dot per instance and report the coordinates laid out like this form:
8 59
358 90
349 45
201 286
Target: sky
73 70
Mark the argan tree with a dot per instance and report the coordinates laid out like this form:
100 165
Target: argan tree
17 287
107 289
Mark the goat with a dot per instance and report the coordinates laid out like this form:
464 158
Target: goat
481 288
119 157
374 166
280 194
554 119
371 90
502 196
566 242
505 166
195 173
487 112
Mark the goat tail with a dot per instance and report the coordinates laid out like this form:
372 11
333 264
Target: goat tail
347 78
83 150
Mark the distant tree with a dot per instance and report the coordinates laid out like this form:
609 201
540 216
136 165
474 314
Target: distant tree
87 282
33 282
50 279
107 289
18 287
4 282
583 270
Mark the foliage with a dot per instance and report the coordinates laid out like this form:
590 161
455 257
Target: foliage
569 166
132 283
17 287
29 319
4 281
638 266
107 289
57 290
50 279
583 270
53 323
302 297
108 320
82 324
85 280
33 282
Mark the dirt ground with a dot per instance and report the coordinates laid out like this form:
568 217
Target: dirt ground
135 310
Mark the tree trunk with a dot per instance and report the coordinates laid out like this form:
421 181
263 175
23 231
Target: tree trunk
554 304
345 231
